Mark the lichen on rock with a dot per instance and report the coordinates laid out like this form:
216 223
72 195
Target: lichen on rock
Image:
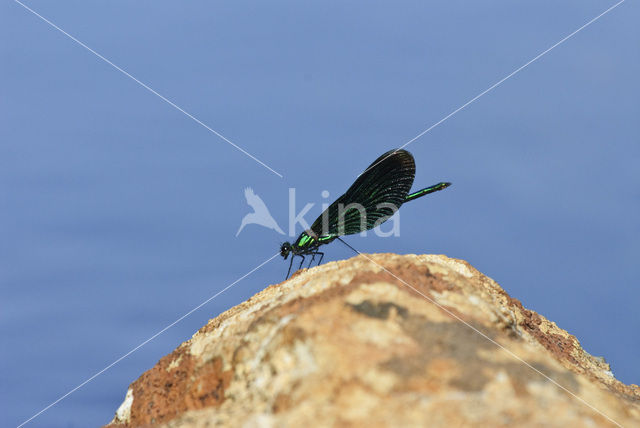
425 341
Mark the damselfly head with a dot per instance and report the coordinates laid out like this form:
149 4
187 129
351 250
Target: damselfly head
285 249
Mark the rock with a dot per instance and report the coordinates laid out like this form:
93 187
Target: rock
350 344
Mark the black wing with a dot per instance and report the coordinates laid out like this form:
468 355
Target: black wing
377 194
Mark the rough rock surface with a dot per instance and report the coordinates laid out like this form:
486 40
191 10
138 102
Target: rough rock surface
350 344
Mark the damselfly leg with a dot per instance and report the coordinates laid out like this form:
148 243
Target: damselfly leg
313 257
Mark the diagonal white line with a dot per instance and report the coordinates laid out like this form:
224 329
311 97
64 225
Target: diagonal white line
148 340
499 82
481 333
198 121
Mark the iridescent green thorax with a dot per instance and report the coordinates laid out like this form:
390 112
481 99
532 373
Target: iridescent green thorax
308 239
304 241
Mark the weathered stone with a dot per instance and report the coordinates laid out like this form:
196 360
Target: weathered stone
430 342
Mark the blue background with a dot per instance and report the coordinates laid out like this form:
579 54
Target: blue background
119 213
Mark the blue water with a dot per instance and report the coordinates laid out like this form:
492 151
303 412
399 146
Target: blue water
119 213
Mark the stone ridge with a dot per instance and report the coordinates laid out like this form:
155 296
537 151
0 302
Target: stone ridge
348 344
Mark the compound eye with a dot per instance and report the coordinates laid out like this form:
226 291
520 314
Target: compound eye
285 249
